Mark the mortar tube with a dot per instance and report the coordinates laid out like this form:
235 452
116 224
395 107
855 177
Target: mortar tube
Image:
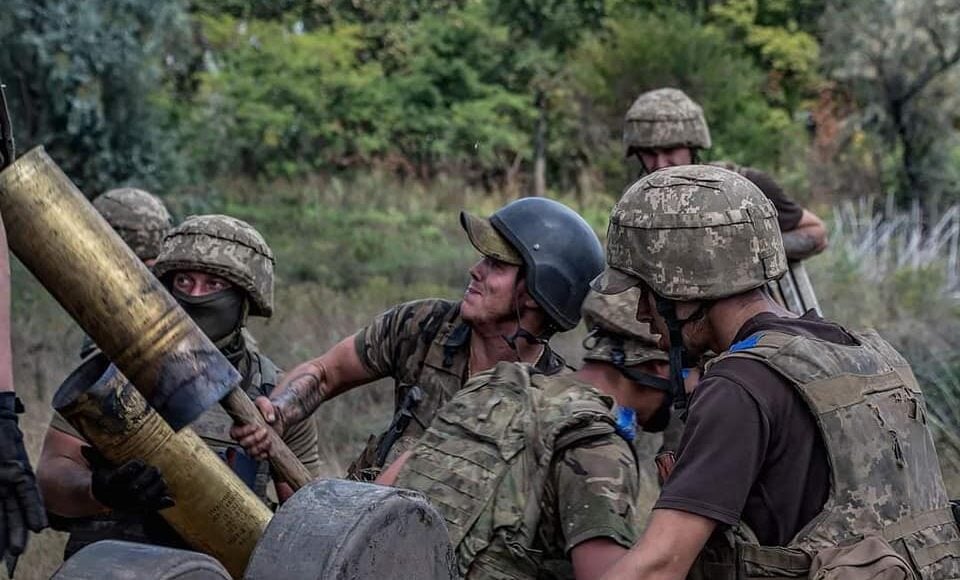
215 512
83 263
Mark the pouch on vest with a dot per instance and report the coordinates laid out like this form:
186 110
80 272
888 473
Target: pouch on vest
872 558
244 466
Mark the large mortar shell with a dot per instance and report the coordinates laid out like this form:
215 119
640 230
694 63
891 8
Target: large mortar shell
76 255
214 512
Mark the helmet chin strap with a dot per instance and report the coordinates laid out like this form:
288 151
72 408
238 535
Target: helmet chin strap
521 332
668 311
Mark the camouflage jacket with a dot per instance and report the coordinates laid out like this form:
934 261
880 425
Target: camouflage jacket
423 343
260 376
885 479
524 467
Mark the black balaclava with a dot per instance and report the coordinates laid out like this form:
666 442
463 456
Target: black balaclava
221 316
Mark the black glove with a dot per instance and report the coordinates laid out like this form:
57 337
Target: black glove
132 487
20 499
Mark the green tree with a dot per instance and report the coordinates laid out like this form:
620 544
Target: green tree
899 57
670 48
544 32
83 79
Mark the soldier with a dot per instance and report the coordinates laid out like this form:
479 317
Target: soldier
220 270
20 502
141 220
139 217
538 257
806 451
665 128
545 486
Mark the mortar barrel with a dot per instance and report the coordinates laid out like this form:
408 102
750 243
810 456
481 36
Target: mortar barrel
215 512
59 236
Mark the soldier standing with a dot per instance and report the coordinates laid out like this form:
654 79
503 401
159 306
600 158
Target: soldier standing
220 270
665 128
806 449
535 475
538 257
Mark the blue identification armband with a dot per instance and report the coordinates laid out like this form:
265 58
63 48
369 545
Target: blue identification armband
626 422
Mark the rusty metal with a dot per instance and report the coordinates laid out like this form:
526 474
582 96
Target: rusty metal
215 512
73 252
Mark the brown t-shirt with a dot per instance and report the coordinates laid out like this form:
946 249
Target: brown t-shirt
751 450
788 211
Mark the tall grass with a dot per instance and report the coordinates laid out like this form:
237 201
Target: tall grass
889 271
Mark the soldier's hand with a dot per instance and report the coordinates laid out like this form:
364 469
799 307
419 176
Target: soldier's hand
131 487
253 438
22 507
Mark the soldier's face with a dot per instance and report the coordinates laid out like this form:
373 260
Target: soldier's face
492 292
194 283
654 159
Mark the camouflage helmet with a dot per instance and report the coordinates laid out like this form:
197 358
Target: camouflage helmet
559 250
226 247
616 336
663 119
693 232
139 217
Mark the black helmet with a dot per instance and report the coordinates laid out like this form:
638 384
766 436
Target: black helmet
560 250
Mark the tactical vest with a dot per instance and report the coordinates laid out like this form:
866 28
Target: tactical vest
885 477
440 376
214 428
485 459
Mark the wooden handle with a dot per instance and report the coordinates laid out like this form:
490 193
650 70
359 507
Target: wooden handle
242 410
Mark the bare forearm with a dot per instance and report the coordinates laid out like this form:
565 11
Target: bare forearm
668 548
800 245
325 377
65 486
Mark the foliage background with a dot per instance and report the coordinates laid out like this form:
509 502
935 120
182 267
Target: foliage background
351 132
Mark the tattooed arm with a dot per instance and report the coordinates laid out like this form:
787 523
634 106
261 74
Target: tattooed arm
302 390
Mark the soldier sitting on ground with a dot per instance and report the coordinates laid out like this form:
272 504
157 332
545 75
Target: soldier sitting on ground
806 451
220 270
665 128
141 220
536 476
538 257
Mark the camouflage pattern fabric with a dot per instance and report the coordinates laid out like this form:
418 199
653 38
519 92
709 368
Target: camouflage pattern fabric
664 119
523 467
423 343
226 247
615 331
693 232
139 217
885 479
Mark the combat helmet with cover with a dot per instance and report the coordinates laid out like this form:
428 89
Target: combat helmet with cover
139 217
693 232
558 249
615 334
226 247
663 119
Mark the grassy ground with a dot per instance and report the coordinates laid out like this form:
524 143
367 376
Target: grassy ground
347 251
